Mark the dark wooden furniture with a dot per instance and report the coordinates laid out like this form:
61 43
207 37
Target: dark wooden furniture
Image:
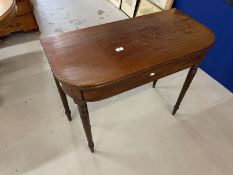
95 63
7 12
23 21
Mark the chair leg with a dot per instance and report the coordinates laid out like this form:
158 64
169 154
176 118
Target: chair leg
185 87
64 100
84 115
154 83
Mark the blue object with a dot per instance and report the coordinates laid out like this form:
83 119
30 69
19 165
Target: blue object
218 16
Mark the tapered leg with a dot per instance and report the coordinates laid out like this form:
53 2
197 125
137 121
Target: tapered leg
154 83
185 87
84 115
64 100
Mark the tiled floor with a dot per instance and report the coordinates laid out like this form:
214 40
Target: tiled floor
134 133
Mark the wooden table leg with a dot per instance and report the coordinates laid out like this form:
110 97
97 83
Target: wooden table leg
154 83
64 100
84 115
185 87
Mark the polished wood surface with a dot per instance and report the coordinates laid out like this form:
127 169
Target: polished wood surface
148 41
64 100
153 46
7 12
192 72
24 19
84 115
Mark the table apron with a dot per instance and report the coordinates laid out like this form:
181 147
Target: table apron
136 80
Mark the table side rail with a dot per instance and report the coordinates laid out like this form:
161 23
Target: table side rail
136 80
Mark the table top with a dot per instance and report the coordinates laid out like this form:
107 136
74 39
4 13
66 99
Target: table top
88 58
7 11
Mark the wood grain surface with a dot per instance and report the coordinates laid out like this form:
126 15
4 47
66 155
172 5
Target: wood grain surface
99 62
7 12
23 21
87 58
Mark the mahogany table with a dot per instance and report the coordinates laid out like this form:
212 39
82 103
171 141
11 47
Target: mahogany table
7 12
99 62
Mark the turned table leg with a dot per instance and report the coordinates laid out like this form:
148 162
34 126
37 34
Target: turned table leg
64 100
84 115
154 83
185 87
